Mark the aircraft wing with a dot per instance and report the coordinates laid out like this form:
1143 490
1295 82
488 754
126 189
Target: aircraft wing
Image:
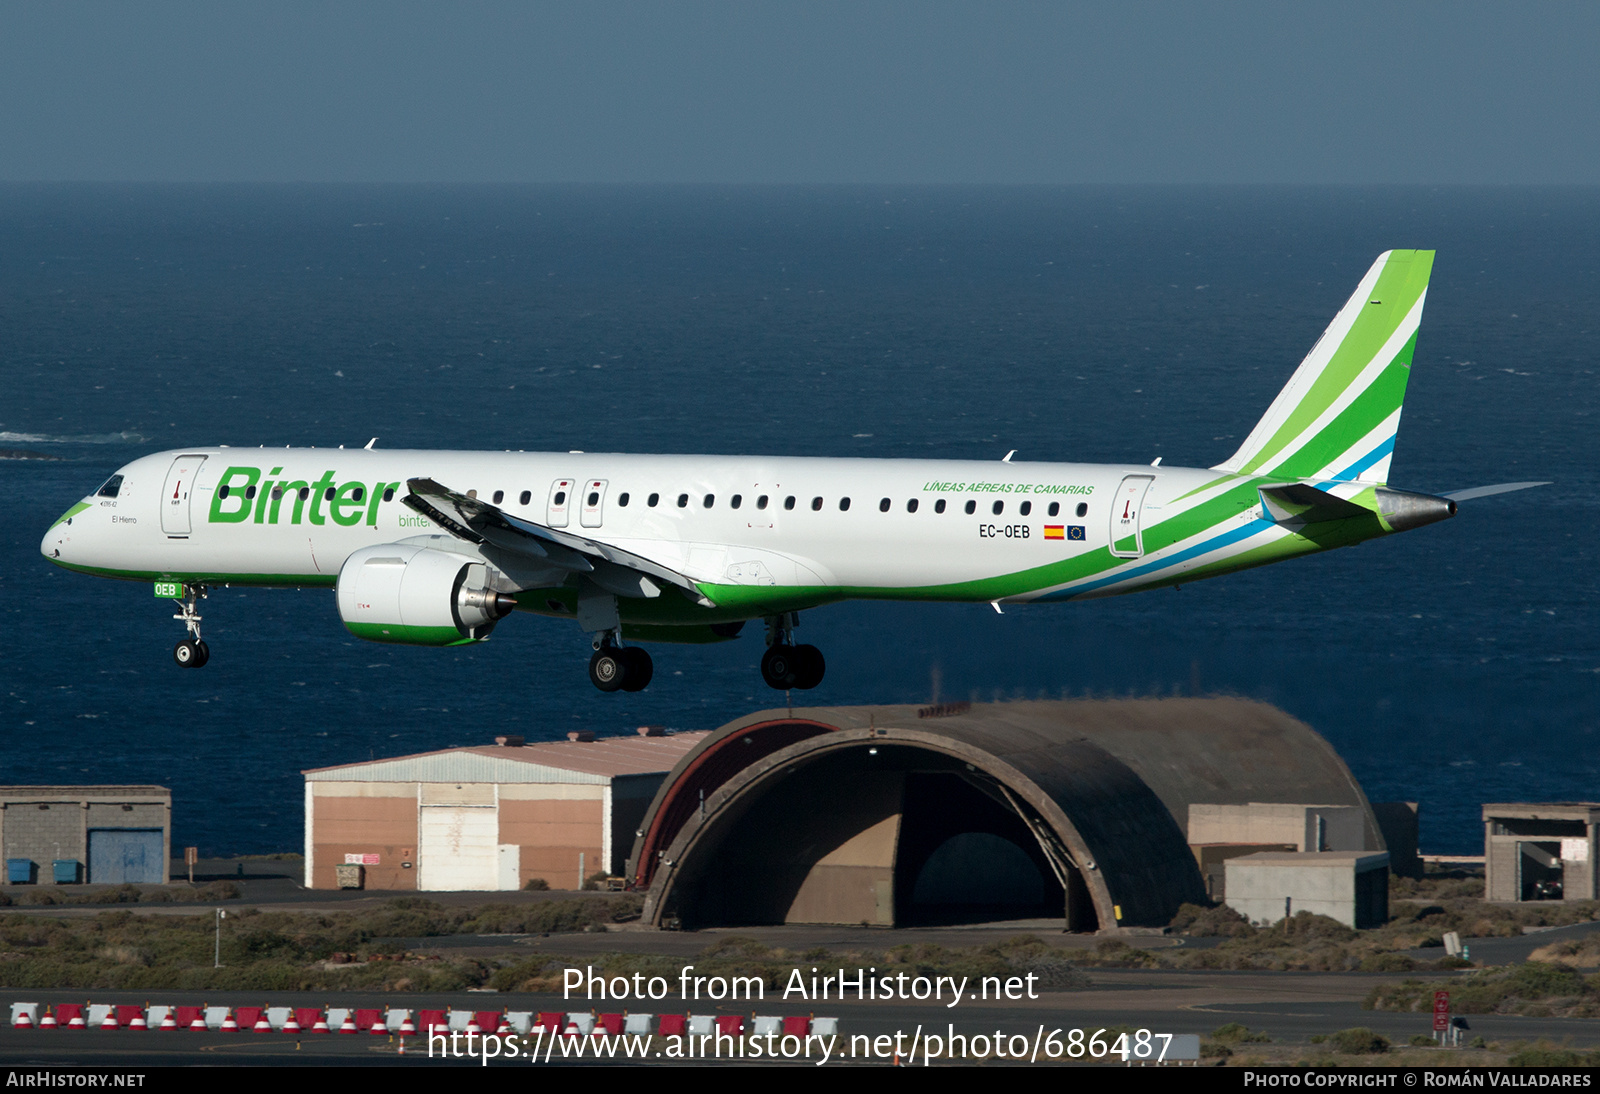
620 572
1490 491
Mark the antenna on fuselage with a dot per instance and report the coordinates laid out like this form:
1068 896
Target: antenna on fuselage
368 446
1007 457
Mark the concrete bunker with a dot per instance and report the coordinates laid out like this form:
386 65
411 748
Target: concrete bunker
904 815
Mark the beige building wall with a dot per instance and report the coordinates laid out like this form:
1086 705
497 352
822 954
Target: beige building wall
554 824
549 824
363 819
1342 827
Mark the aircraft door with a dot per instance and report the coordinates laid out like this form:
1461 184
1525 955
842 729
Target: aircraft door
1126 509
175 495
560 503
594 500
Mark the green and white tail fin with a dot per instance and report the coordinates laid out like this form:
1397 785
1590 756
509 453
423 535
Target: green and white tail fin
1338 416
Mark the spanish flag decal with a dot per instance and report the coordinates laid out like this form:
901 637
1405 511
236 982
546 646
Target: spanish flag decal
1054 531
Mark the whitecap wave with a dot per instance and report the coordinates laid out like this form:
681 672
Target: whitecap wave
125 437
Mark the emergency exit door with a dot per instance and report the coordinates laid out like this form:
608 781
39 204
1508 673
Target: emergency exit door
175 495
1127 541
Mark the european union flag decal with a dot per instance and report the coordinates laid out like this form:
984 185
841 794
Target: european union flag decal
1075 531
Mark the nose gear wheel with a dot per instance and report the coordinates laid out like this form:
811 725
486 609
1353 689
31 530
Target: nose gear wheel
192 652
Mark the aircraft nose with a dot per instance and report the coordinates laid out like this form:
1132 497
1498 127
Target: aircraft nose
54 544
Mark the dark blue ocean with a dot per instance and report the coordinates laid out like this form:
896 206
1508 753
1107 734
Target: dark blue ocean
1454 665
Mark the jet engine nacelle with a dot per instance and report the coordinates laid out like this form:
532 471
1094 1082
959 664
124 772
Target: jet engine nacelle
418 596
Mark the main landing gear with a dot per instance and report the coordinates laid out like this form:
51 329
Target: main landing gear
786 665
619 668
192 652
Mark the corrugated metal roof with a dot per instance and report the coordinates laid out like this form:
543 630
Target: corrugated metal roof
591 762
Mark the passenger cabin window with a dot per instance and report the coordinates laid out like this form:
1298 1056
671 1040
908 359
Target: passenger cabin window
710 500
735 501
594 498
844 504
622 500
999 507
111 488
972 507
473 494
938 506
561 497
388 494
356 495
522 499
250 492
1083 508
683 501
761 502
1055 508
788 502
652 500
1027 507
277 492
883 506
911 506
305 492
499 496
816 504
224 490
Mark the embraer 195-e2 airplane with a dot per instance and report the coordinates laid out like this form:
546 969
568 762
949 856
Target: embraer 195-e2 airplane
435 548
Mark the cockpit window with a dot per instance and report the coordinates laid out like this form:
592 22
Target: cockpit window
112 487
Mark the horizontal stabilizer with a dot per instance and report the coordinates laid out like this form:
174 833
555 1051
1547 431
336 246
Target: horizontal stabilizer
1298 501
1490 491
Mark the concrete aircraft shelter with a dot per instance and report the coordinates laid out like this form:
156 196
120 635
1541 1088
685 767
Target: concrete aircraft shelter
898 815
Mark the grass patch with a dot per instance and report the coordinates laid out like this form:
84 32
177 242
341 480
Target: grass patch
54 895
277 951
1534 989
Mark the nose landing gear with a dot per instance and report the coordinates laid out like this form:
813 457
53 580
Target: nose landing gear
192 652
786 665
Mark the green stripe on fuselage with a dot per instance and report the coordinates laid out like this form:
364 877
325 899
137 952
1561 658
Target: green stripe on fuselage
208 577
70 513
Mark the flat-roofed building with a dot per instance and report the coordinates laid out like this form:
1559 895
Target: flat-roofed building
1350 886
1540 850
95 834
486 817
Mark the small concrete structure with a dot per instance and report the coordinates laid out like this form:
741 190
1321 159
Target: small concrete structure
1350 886
62 835
1212 858
1399 823
1540 850
1302 827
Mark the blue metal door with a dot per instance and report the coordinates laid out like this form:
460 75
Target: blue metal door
125 855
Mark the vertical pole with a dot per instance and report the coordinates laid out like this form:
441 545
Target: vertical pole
580 869
221 915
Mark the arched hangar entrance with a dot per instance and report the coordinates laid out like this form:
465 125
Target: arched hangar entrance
899 815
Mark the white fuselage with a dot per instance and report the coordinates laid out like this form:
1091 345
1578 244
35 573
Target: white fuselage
922 529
